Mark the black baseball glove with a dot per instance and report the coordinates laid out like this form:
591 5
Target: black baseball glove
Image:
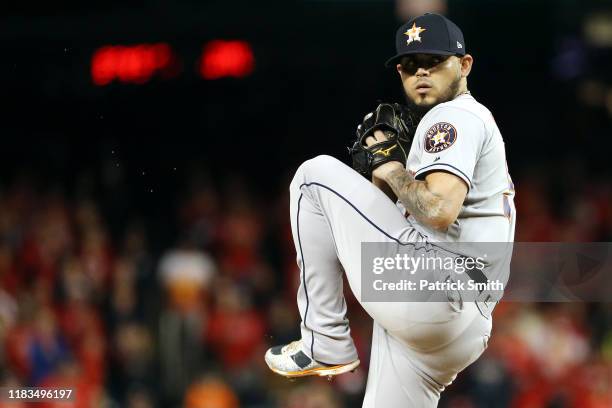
397 123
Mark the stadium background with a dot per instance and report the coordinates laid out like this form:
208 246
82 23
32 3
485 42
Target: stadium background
145 252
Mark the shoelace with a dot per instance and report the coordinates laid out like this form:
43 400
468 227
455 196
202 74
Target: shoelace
294 346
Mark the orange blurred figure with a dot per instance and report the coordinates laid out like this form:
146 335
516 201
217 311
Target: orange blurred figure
210 392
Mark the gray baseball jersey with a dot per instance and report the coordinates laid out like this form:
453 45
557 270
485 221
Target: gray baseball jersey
462 138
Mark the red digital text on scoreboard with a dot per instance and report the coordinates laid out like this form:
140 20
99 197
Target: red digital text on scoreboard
138 64
226 59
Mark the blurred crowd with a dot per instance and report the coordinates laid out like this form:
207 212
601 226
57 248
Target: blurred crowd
126 326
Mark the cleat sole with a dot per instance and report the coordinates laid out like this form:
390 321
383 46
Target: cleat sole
320 371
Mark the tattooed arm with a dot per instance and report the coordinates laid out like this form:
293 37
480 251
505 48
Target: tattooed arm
435 201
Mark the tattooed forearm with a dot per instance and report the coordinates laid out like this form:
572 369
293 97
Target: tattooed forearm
385 188
425 206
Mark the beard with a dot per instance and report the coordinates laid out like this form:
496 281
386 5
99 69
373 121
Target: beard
448 95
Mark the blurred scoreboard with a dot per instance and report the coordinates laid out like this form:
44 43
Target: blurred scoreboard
139 63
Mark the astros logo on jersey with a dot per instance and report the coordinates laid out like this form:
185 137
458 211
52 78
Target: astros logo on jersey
439 137
413 34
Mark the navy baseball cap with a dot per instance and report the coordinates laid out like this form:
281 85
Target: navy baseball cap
428 34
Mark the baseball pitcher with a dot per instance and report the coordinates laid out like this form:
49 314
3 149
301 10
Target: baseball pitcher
435 172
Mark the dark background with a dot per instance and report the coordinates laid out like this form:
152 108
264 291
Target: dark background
319 68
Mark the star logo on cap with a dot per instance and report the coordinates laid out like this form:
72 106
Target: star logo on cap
413 34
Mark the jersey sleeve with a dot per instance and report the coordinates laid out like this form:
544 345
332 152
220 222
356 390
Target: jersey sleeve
451 142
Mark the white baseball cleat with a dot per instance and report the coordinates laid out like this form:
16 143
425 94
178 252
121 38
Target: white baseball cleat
290 361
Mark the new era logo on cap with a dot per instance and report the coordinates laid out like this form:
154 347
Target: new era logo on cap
428 34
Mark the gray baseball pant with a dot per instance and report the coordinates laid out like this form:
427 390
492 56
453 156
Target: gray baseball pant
417 347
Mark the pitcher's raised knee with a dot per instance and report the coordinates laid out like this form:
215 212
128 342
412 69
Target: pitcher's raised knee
316 169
